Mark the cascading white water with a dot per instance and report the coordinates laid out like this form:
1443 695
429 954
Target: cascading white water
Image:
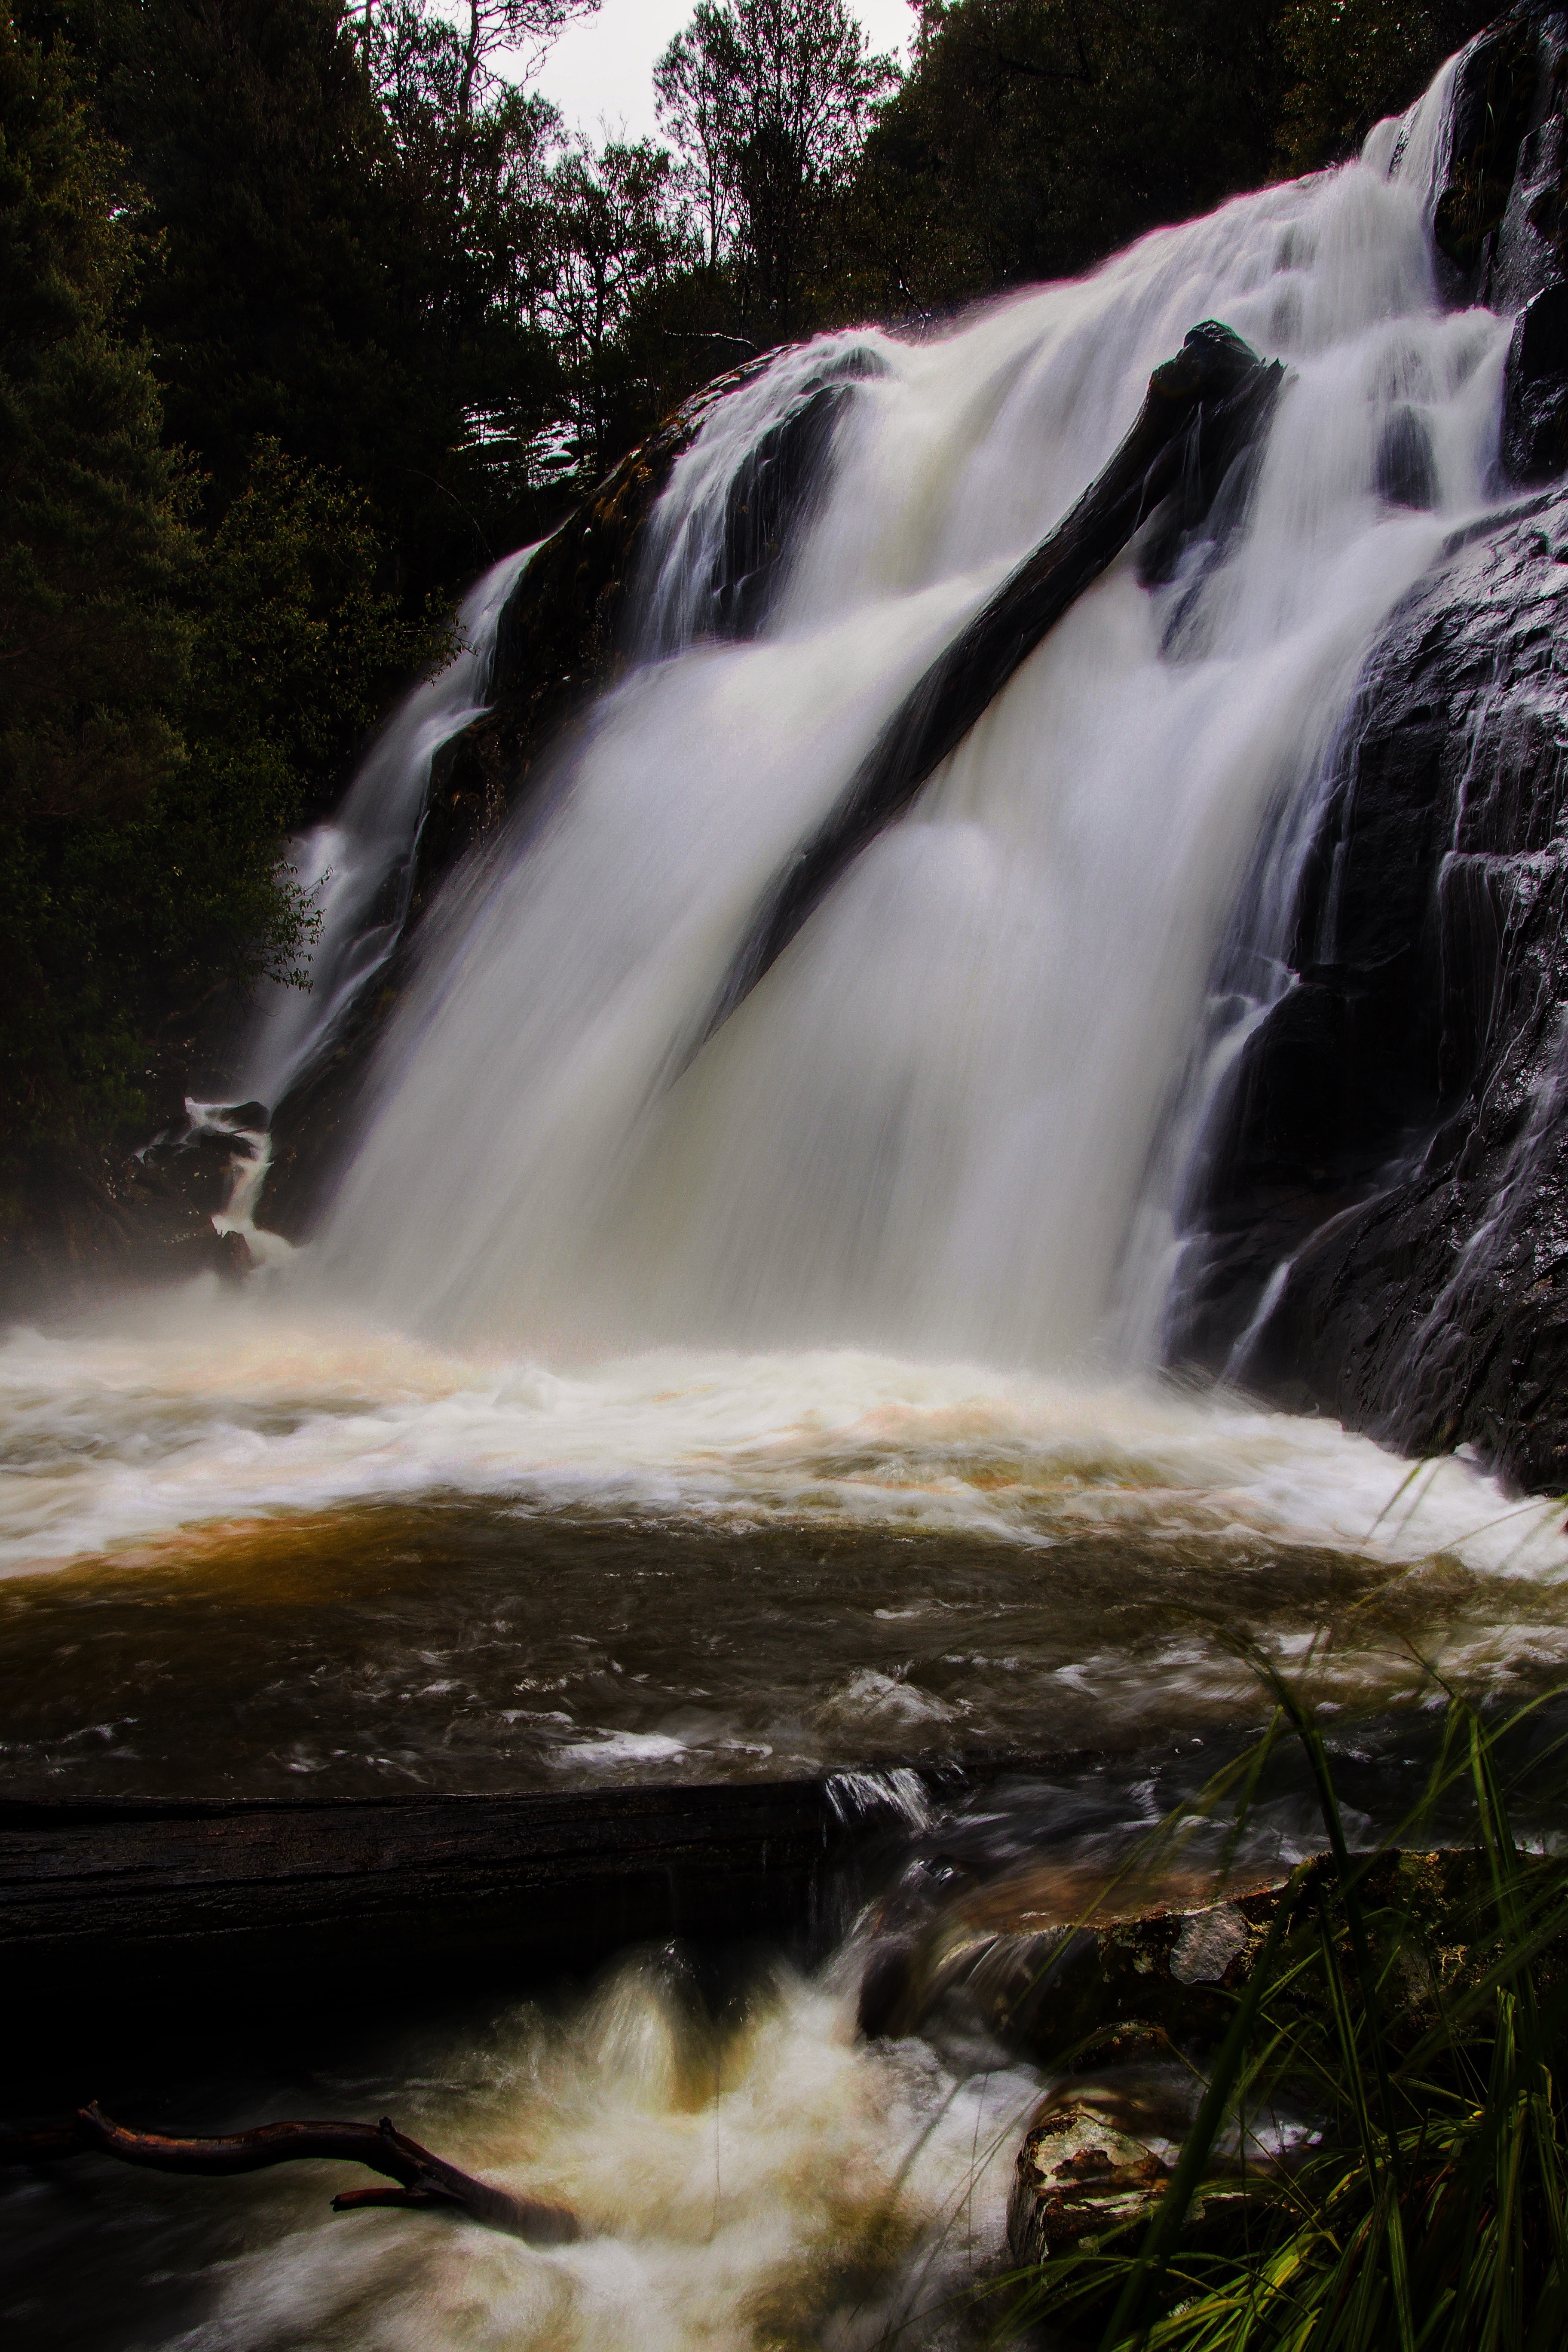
930 1130
357 869
842 1275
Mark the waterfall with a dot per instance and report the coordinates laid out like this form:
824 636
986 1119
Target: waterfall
778 1403
357 869
943 1125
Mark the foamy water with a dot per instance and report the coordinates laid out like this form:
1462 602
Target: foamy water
760 2177
206 1409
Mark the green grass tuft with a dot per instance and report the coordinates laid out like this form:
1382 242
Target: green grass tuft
1425 2041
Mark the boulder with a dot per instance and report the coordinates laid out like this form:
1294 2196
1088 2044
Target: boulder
1080 2177
1032 1962
1094 2166
1497 98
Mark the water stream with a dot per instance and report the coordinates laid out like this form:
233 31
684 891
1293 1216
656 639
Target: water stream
804 1410
357 869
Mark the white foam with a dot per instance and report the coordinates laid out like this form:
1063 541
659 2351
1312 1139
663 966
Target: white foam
208 1408
783 2166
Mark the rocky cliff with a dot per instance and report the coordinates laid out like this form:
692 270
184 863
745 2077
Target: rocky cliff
1377 1223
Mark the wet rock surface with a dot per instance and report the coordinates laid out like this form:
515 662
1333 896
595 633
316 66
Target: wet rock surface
1080 2175
1503 90
1123 2000
1391 1156
1096 2164
1376 1224
1500 220
1045 1964
564 634
1535 396
1032 1961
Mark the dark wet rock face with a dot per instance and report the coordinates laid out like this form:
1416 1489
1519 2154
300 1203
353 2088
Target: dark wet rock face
565 633
1535 390
1375 1223
562 639
1496 103
1406 472
726 582
766 503
1390 1158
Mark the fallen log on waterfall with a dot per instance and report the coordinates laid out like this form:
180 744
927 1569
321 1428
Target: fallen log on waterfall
423 2182
1205 408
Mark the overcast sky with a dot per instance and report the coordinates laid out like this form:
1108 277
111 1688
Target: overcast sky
601 68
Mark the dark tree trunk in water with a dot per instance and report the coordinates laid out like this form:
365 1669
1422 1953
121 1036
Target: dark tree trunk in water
424 2183
1204 409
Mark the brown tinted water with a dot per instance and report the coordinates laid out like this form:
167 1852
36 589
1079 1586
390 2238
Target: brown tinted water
461 1645
248 1556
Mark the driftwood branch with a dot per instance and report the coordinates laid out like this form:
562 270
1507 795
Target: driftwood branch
423 2181
1205 408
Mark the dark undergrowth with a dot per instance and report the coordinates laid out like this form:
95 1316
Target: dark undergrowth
1387 2094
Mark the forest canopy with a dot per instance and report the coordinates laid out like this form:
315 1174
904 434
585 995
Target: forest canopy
309 312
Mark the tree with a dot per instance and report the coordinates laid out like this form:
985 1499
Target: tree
175 699
350 250
92 543
1032 138
770 101
1353 61
617 239
526 26
470 250
494 26
691 98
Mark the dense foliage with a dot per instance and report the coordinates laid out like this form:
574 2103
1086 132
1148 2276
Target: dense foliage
1382 2129
307 311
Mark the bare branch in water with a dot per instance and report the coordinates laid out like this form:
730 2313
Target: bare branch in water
425 2182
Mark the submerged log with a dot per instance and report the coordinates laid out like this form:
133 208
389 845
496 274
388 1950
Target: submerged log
190 1901
423 2182
1206 407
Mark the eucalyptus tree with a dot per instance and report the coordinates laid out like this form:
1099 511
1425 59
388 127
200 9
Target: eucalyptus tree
769 103
618 238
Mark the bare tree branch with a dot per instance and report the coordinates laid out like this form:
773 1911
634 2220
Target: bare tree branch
425 2182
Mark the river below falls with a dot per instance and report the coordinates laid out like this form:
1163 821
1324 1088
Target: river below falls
248 1551
252 1549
